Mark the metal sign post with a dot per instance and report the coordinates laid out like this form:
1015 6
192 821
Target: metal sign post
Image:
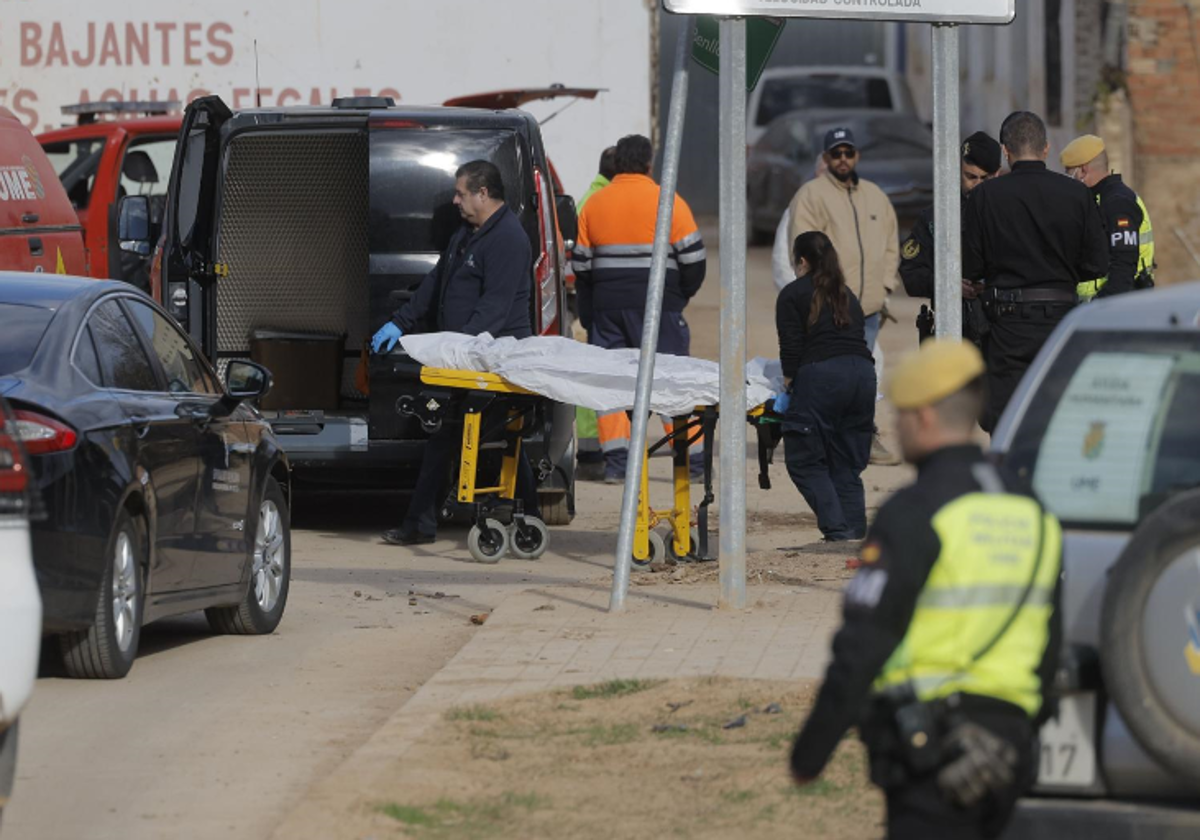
947 229
732 165
654 296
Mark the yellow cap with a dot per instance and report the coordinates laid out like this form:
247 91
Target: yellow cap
1082 150
937 370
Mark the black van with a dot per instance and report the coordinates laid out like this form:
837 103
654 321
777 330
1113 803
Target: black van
292 234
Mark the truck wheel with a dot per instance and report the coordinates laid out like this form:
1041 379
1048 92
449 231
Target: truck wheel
106 650
558 508
262 606
1150 635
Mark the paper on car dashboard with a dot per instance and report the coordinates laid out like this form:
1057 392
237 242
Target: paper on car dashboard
593 377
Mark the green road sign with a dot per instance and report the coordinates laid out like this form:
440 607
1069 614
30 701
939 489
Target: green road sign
762 34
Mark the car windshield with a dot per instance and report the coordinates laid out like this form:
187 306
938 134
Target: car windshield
21 330
1111 431
804 93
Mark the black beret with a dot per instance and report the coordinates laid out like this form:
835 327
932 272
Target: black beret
982 151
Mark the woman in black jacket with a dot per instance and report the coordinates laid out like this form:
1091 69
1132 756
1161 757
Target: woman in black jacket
829 406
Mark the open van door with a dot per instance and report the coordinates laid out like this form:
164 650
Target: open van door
189 270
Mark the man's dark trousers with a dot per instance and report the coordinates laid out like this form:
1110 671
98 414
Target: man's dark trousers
827 441
441 452
1009 348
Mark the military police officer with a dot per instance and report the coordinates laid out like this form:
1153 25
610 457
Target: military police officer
951 629
1032 236
1130 235
980 162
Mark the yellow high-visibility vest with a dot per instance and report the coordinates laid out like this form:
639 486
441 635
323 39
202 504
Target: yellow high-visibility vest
1089 288
999 550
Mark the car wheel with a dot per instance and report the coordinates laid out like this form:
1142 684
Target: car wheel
1150 635
262 606
106 650
558 508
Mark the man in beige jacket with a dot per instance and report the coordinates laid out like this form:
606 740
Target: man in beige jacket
858 217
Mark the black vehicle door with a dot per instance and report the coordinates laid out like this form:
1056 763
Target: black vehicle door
166 442
188 267
223 451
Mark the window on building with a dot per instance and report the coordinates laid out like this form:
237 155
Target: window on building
1054 63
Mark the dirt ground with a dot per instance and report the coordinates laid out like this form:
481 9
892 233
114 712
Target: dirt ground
702 758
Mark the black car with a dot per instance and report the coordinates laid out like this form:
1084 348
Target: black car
163 492
293 234
897 155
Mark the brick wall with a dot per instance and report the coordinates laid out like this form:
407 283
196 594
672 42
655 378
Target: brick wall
1089 61
1163 65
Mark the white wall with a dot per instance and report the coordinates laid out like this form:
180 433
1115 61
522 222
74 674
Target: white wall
57 52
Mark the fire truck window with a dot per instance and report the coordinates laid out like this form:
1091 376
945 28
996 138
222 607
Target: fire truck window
76 163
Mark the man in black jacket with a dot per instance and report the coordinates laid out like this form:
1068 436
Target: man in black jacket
981 158
1031 237
481 284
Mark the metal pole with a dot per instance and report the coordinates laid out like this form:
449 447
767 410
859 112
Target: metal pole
947 206
654 296
732 165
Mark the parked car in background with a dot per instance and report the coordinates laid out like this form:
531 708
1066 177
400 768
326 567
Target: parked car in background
40 230
319 224
117 149
1104 430
20 603
896 153
845 88
164 492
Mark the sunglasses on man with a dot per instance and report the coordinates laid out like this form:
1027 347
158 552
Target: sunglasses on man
843 153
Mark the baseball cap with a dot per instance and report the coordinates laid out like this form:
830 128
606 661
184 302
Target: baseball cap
839 137
937 370
982 151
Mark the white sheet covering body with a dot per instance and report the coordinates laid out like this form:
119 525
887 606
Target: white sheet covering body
595 378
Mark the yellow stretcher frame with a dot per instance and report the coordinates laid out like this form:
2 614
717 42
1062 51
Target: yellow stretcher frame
647 543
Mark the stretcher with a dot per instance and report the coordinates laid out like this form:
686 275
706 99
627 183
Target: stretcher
500 525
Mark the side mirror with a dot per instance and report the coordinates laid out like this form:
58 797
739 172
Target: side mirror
133 224
247 380
568 217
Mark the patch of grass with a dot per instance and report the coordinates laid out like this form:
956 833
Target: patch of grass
482 714
450 818
612 688
600 735
819 787
737 797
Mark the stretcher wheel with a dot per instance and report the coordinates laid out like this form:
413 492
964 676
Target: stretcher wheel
694 541
528 541
658 551
488 543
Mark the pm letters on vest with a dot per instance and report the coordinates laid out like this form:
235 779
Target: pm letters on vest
1127 237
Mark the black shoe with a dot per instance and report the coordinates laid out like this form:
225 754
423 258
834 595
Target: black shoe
398 536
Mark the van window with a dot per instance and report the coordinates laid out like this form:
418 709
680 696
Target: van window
1111 431
412 183
76 164
145 171
21 331
805 93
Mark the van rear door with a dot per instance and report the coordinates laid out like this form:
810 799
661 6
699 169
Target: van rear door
188 266
38 229
412 217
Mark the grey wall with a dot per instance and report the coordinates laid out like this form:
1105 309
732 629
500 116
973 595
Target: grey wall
802 42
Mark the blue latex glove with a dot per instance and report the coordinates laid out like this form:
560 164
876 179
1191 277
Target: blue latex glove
388 334
782 401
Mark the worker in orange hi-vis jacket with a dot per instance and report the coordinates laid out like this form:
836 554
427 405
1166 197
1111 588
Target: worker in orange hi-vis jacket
612 272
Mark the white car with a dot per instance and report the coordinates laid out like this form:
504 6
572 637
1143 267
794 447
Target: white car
784 89
20 603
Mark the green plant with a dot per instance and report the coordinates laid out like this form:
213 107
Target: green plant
612 688
482 714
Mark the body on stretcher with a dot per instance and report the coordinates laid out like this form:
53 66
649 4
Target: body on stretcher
500 524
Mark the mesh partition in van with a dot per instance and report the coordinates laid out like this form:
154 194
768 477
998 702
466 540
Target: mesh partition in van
293 231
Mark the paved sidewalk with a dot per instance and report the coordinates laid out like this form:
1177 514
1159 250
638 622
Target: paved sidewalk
546 638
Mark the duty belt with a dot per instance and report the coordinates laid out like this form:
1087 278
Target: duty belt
1028 296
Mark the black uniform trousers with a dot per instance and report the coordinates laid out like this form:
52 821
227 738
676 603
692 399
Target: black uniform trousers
441 452
1017 334
917 809
827 441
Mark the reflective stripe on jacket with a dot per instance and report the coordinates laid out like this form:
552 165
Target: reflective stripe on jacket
999 551
616 239
1124 239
